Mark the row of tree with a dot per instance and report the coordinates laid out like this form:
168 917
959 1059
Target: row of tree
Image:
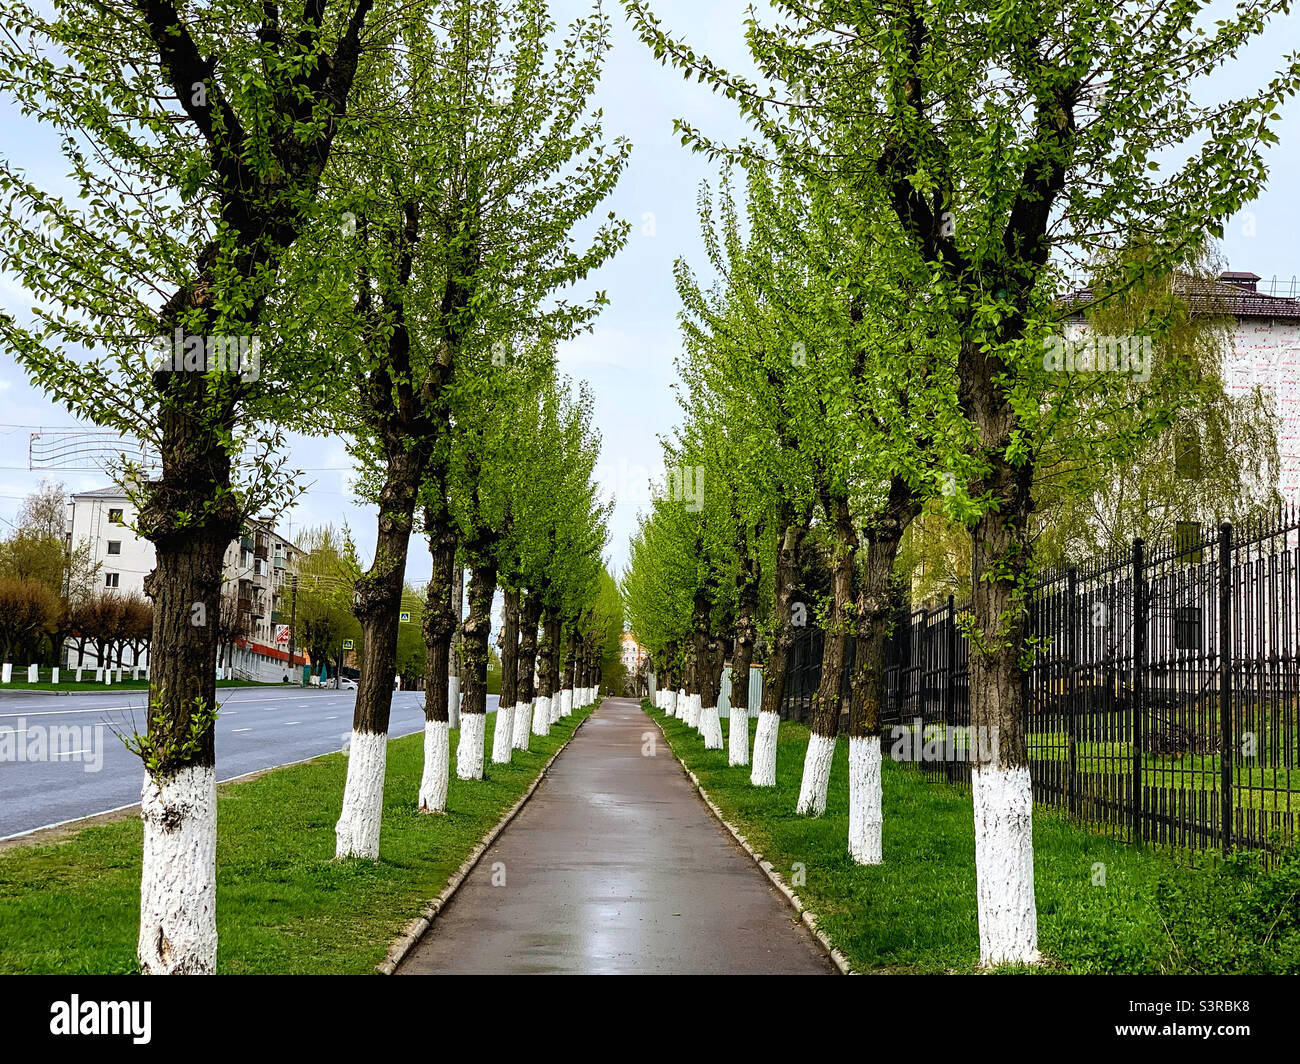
372 205
871 353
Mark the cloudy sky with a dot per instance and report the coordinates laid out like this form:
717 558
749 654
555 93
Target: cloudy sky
628 359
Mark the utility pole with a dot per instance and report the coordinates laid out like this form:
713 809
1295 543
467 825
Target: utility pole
293 624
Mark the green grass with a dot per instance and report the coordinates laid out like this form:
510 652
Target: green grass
283 903
916 912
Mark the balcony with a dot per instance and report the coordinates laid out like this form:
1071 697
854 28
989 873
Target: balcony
245 542
277 617
278 561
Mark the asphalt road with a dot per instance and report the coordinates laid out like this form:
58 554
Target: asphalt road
257 728
615 865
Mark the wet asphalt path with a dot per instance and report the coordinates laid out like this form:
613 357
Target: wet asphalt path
615 866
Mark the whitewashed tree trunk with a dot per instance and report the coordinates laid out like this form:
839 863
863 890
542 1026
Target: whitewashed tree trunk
523 724
816 775
357 831
763 774
711 727
469 750
503 735
433 781
566 702
738 736
178 881
542 716
696 711
1004 864
670 703
865 817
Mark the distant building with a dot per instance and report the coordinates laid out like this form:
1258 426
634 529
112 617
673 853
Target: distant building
255 592
631 653
1265 350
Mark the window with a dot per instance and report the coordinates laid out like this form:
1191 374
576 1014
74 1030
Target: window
1187 542
110 579
115 517
114 546
1187 457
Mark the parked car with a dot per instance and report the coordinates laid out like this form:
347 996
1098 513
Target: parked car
347 684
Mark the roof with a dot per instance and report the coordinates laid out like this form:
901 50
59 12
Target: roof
1234 293
113 492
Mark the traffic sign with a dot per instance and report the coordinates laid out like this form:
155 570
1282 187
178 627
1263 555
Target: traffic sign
282 633
404 616
348 644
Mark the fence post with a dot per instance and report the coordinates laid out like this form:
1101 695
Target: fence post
1071 692
1225 682
949 693
1137 697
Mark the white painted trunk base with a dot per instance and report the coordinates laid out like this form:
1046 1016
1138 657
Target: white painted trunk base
469 751
865 817
1004 864
566 702
503 735
433 781
523 724
711 727
357 831
763 774
542 716
738 737
670 703
816 775
178 881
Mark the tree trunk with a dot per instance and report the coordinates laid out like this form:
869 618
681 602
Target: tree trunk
439 624
742 656
379 594
456 665
178 799
525 668
827 701
712 653
1001 788
867 686
570 665
503 738
763 773
546 672
474 656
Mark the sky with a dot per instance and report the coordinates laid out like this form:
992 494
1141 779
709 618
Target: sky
628 359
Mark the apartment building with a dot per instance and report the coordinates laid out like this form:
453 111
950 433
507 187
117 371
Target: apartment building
256 592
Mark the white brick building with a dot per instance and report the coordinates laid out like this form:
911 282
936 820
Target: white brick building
258 568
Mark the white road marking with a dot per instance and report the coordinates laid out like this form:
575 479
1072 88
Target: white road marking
241 729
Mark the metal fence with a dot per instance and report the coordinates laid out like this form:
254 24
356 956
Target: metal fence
1162 700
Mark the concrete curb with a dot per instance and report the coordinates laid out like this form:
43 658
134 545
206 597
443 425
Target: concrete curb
810 919
417 928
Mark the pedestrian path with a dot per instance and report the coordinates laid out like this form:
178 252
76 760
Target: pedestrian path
616 866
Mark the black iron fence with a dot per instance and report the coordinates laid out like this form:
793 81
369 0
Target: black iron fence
1162 700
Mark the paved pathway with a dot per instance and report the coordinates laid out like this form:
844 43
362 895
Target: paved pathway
616 866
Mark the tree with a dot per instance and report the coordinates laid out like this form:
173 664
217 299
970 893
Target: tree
977 150
156 282
28 610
